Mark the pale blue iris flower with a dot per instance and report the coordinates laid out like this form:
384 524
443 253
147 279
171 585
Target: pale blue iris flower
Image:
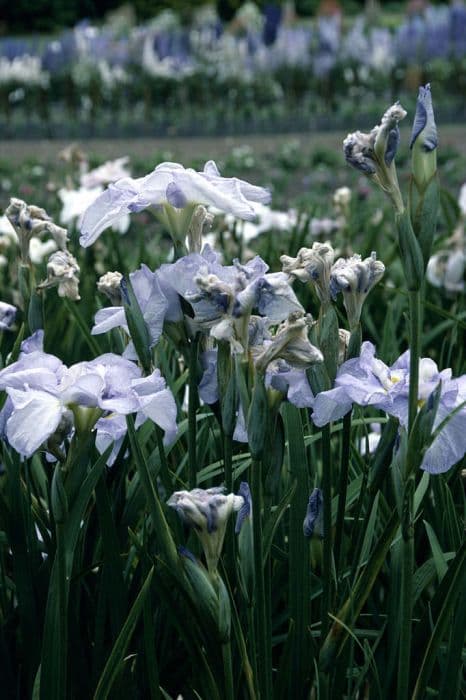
367 381
41 389
173 185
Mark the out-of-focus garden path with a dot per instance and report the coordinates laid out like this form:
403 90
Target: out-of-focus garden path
184 149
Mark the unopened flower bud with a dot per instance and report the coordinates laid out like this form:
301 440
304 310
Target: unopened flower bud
30 222
424 140
373 154
207 511
314 522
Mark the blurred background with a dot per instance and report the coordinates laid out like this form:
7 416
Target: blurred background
73 69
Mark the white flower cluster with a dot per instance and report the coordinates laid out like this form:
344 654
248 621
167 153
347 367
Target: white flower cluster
23 70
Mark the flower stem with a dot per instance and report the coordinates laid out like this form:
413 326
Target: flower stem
63 608
354 349
228 671
192 408
343 479
407 563
415 353
264 672
327 544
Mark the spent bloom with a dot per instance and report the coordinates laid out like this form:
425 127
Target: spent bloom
174 192
355 278
207 511
373 153
63 272
290 343
312 265
30 221
109 284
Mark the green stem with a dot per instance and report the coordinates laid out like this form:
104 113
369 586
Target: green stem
192 408
159 523
343 479
348 613
228 670
407 529
327 544
300 666
63 611
415 353
164 469
262 650
230 542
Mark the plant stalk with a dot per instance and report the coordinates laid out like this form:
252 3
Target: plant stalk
263 643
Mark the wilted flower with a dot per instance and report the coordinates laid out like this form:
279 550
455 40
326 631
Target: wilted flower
109 284
314 522
290 343
312 265
424 139
373 154
7 315
227 297
30 221
63 272
207 511
355 278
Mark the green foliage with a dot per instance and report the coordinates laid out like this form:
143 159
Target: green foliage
95 598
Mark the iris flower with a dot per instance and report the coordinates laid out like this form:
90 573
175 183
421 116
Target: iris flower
170 184
367 381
